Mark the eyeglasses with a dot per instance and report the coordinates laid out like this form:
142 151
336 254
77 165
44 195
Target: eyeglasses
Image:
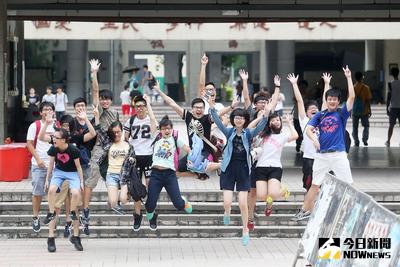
198 107
238 118
140 106
47 109
167 128
117 132
57 138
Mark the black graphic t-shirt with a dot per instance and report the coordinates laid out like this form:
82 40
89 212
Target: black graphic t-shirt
239 152
65 159
202 125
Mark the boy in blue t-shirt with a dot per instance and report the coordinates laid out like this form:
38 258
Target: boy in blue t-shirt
331 154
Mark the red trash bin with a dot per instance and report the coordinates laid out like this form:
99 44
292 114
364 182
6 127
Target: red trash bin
14 165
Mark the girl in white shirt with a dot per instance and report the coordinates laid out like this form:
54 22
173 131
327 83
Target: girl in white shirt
268 170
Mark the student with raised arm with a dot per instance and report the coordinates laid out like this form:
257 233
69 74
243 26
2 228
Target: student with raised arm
330 144
196 123
236 162
139 132
102 99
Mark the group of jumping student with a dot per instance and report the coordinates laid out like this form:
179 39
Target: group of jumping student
69 156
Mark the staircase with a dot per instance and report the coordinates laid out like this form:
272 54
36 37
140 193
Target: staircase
205 221
378 119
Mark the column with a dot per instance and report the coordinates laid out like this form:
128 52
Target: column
194 54
270 60
77 69
370 55
171 74
3 78
285 65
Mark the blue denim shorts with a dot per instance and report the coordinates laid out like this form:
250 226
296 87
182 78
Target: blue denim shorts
38 180
113 179
60 176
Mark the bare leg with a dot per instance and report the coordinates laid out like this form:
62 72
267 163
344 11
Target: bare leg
112 195
310 197
228 195
244 212
36 201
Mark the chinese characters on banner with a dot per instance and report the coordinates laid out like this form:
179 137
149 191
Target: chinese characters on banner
63 25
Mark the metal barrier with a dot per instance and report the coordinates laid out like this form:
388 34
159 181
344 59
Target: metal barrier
349 228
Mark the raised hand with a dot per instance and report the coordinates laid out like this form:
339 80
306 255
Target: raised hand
326 77
277 81
204 59
94 65
49 117
288 118
96 110
82 115
156 86
347 72
235 102
292 78
244 74
147 98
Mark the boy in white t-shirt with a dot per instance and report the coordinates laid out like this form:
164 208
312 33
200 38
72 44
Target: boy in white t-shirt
61 100
49 96
40 160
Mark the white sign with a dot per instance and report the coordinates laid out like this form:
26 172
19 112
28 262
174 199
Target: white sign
212 31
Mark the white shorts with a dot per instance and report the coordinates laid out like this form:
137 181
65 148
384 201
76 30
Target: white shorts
336 162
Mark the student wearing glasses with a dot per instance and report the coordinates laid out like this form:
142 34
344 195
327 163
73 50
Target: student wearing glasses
138 131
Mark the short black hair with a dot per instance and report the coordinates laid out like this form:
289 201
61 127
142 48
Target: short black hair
242 113
310 103
113 125
198 100
165 121
139 98
358 75
80 100
333 93
394 71
49 87
126 86
145 66
263 95
209 83
46 104
106 94
70 120
64 134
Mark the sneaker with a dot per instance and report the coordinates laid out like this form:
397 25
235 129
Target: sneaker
76 240
85 221
49 218
153 222
365 143
268 207
86 229
245 239
227 219
118 210
137 221
357 143
301 215
387 144
51 244
250 225
67 229
188 206
36 224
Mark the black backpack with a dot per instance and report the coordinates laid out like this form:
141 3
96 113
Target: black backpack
347 139
136 188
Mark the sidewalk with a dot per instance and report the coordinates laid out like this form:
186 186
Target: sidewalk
151 252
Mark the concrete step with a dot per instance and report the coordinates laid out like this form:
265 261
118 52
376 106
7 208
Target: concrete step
197 196
173 219
162 232
283 207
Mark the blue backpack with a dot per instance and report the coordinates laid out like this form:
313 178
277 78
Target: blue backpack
358 106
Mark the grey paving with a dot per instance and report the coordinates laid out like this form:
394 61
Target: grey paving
151 252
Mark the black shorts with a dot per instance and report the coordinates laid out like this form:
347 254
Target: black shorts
143 165
307 172
267 173
394 114
237 173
